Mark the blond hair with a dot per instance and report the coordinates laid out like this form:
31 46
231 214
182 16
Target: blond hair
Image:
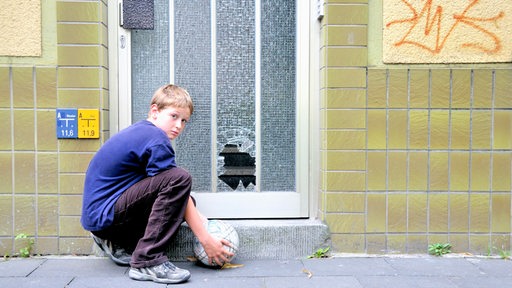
172 95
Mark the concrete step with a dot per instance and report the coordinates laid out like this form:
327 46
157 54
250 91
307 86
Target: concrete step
264 239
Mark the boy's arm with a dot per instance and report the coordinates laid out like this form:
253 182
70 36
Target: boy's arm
213 247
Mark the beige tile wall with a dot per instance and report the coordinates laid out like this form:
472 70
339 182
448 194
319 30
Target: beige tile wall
41 178
411 155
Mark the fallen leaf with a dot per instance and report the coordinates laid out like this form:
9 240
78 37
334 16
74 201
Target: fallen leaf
230 266
191 259
307 272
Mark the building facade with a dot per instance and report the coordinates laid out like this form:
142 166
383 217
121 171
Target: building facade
406 139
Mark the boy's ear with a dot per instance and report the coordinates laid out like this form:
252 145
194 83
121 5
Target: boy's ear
153 110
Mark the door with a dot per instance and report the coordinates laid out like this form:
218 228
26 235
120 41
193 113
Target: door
245 64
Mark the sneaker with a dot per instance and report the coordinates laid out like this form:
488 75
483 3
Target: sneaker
117 254
164 273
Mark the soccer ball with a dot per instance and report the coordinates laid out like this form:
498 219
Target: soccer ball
221 230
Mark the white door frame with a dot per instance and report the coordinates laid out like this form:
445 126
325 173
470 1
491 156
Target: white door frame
303 202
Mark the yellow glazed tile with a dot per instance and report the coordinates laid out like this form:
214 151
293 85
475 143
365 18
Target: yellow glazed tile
440 93
482 88
46 127
89 145
79 77
500 217
397 129
47 173
397 171
24 173
76 245
502 132
88 55
438 170
396 244
418 171
459 213
345 223
343 35
24 136
46 87
502 88
419 80
70 205
377 129
6 139
74 162
480 171
501 171
90 98
377 171
348 242
23 87
346 14
7 171
438 213
78 11
438 238
71 183
349 139
345 202
481 127
345 98
418 129
69 226
459 171
347 56
346 160
346 78
48 215
461 88
397 79
460 242
397 213
439 129
346 119
376 213
376 244
6 214
47 245
24 215
501 241
460 134
5 91
479 243
417 209
83 33
416 244
479 212
346 181
377 88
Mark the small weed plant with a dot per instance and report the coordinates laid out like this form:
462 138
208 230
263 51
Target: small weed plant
439 249
320 253
28 242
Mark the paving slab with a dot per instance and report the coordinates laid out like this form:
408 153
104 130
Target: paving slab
433 266
349 266
407 282
19 267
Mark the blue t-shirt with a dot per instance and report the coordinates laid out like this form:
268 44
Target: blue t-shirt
141 150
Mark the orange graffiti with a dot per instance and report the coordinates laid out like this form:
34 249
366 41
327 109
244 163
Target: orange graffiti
433 24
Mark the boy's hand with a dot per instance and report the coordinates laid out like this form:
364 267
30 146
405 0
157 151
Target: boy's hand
215 250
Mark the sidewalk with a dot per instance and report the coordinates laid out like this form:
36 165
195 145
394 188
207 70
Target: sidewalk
345 271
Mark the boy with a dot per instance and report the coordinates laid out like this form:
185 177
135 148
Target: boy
135 197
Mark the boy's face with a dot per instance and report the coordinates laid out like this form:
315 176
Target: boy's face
171 119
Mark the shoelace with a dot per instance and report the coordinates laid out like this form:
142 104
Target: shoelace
169 266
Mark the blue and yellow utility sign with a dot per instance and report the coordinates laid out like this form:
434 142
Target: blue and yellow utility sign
88 123
75 123
67 125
